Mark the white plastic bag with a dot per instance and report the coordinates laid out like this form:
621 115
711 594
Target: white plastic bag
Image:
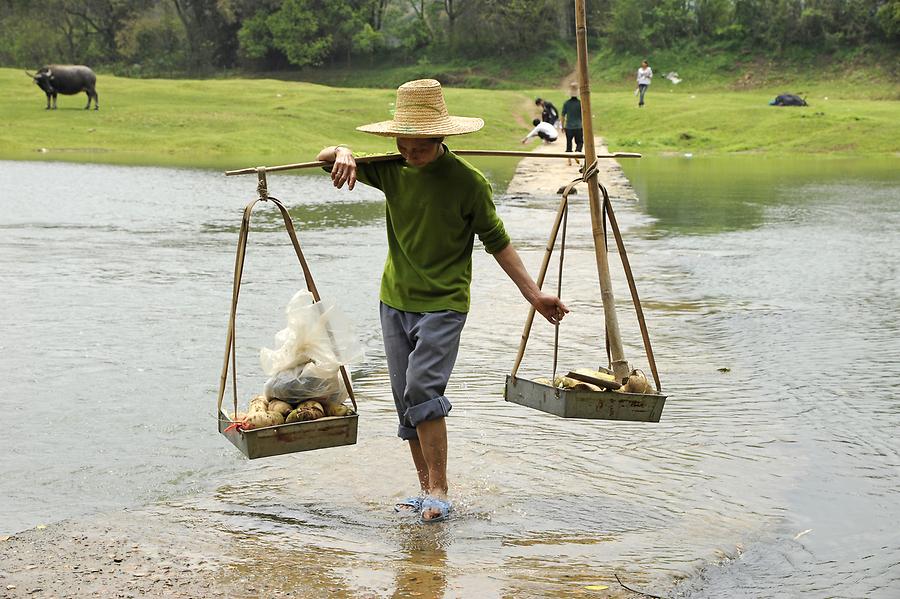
306 363
307 381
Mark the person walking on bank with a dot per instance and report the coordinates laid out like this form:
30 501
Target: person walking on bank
644 75
571 121
436 203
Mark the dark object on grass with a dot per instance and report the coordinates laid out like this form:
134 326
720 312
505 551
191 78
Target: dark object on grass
788 100
68 80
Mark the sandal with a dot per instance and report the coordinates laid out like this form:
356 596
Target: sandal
410 504
433 503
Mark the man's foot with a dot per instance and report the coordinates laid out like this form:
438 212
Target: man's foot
435 510
409 505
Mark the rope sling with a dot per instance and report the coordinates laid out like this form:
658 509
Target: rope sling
230 343
560 222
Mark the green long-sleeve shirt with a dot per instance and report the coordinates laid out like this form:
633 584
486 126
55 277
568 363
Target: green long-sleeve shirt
433 214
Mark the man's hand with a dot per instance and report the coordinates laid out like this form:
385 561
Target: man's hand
550 307
344 169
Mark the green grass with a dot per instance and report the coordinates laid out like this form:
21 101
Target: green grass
867 73
233 123
725 122
537 69
216 123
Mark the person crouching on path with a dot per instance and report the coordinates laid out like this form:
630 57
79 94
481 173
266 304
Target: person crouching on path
542 129
571 120
436 203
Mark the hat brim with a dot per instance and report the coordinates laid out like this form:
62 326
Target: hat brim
454 125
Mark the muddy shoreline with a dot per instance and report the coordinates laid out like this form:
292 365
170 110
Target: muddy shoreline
133 553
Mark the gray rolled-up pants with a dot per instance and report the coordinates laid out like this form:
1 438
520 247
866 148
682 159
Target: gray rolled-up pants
421 349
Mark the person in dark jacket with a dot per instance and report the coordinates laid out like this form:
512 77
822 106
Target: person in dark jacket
571 121
549 114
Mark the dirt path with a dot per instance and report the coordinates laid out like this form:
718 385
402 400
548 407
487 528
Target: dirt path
544 176
565 81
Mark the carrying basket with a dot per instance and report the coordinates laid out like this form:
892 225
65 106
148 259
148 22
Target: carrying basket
328 431
605 404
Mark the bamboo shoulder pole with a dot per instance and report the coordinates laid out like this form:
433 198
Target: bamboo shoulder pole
394 156
619 364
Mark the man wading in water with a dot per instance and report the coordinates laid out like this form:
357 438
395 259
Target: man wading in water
435 205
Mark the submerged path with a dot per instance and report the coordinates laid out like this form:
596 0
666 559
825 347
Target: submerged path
544 176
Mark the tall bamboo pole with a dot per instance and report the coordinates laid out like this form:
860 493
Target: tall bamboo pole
617 354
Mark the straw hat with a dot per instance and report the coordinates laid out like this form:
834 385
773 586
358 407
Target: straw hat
573 88
421 112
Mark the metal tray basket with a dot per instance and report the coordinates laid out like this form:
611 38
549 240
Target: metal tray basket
598 405
330 431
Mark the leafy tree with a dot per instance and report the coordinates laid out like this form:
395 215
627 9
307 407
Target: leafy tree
669 21
102 20
888 17
152 43
626 26
298 30
210 29
255 37
713 17
505 27
155 36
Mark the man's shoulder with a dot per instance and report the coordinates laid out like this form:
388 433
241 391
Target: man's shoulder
465 172
379 165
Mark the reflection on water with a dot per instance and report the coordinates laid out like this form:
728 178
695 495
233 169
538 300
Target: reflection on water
716 194
777 474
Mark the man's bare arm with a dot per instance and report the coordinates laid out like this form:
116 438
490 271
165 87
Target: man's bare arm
549 306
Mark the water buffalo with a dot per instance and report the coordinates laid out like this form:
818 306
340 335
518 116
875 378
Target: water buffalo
68 80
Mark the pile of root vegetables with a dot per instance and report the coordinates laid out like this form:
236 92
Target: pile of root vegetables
263 412
585 379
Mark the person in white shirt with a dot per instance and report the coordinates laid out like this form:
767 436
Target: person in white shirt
644 75
542 129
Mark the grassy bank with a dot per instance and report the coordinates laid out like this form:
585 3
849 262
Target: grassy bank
234 123
715 122
215 123
869 72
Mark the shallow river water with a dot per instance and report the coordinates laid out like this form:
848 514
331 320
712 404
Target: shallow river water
772 293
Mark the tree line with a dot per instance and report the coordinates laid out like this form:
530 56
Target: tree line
165 37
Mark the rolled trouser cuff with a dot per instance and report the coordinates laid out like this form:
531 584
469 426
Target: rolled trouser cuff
434 408
407 433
